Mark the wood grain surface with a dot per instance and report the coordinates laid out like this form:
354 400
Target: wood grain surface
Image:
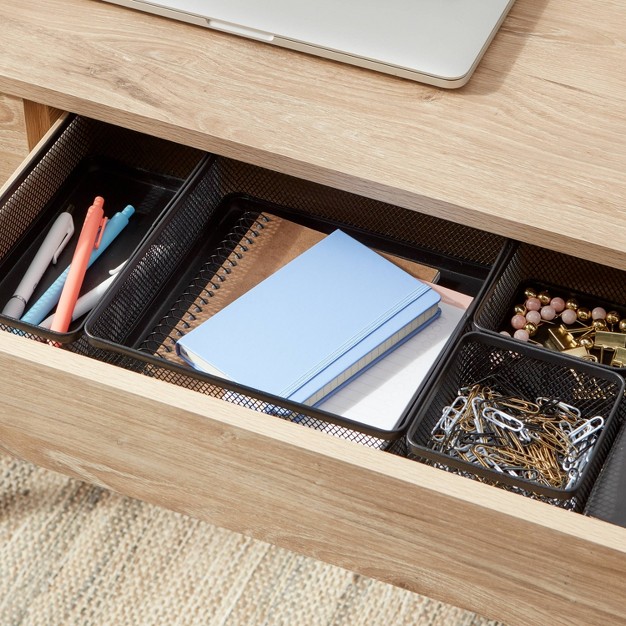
494 552
38 119
533 147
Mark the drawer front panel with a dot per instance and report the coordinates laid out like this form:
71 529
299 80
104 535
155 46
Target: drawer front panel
469 544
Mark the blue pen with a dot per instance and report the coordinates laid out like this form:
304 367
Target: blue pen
38 312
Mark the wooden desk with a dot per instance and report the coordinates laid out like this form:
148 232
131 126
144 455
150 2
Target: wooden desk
533 148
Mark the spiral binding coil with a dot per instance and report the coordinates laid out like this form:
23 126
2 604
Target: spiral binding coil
188 310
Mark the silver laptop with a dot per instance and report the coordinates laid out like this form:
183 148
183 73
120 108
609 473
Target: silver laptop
438 42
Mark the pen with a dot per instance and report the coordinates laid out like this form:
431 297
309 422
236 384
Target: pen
49 251
88 301
90 236
45 304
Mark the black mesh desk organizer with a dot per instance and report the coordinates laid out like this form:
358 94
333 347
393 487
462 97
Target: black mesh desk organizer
83 159
194 240
561 274
197 208
531 372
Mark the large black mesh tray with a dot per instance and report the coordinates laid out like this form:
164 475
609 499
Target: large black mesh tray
190 243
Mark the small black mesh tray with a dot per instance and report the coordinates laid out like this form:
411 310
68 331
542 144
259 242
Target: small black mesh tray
86 158
195 237
532 372
590 283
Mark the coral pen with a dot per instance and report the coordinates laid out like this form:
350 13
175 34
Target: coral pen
90 236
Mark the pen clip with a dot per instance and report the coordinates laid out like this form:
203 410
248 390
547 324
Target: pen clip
116 270
100 232
66 237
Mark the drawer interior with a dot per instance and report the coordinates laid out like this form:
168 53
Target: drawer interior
189 204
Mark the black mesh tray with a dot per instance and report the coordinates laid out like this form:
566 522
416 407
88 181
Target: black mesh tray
592 284
607 500
195 238
532 372
85 159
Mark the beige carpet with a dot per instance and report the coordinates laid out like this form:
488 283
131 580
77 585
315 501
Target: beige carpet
73 554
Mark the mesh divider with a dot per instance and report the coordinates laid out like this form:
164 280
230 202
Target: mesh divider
153 269
454 241
606 500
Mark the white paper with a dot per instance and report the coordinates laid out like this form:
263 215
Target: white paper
378 396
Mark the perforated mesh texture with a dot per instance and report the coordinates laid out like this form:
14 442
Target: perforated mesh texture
529 373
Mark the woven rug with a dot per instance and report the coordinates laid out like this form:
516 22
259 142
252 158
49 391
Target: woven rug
74 554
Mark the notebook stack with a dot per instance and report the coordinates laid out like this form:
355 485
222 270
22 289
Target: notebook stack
314 324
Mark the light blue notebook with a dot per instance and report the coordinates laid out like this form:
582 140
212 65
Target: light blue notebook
314 324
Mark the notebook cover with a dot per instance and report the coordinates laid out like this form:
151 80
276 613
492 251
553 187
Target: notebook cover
337 298
279 241
379 396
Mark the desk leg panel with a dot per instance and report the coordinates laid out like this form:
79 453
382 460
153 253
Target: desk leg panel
38 118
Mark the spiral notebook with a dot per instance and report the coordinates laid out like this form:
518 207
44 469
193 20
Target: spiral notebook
269 243
315 324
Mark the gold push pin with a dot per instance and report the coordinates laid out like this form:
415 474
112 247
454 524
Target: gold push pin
599 325
612 317
544 298
531 329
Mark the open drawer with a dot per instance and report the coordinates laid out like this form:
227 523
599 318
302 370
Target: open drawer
475 546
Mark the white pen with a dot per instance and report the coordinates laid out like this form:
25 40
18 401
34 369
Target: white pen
88 301
49 251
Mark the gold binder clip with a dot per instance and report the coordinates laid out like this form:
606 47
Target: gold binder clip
619 358
559 338
580 352
608 339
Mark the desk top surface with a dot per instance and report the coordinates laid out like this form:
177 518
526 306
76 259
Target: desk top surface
534 147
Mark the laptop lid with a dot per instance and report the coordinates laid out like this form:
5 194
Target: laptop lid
438 42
